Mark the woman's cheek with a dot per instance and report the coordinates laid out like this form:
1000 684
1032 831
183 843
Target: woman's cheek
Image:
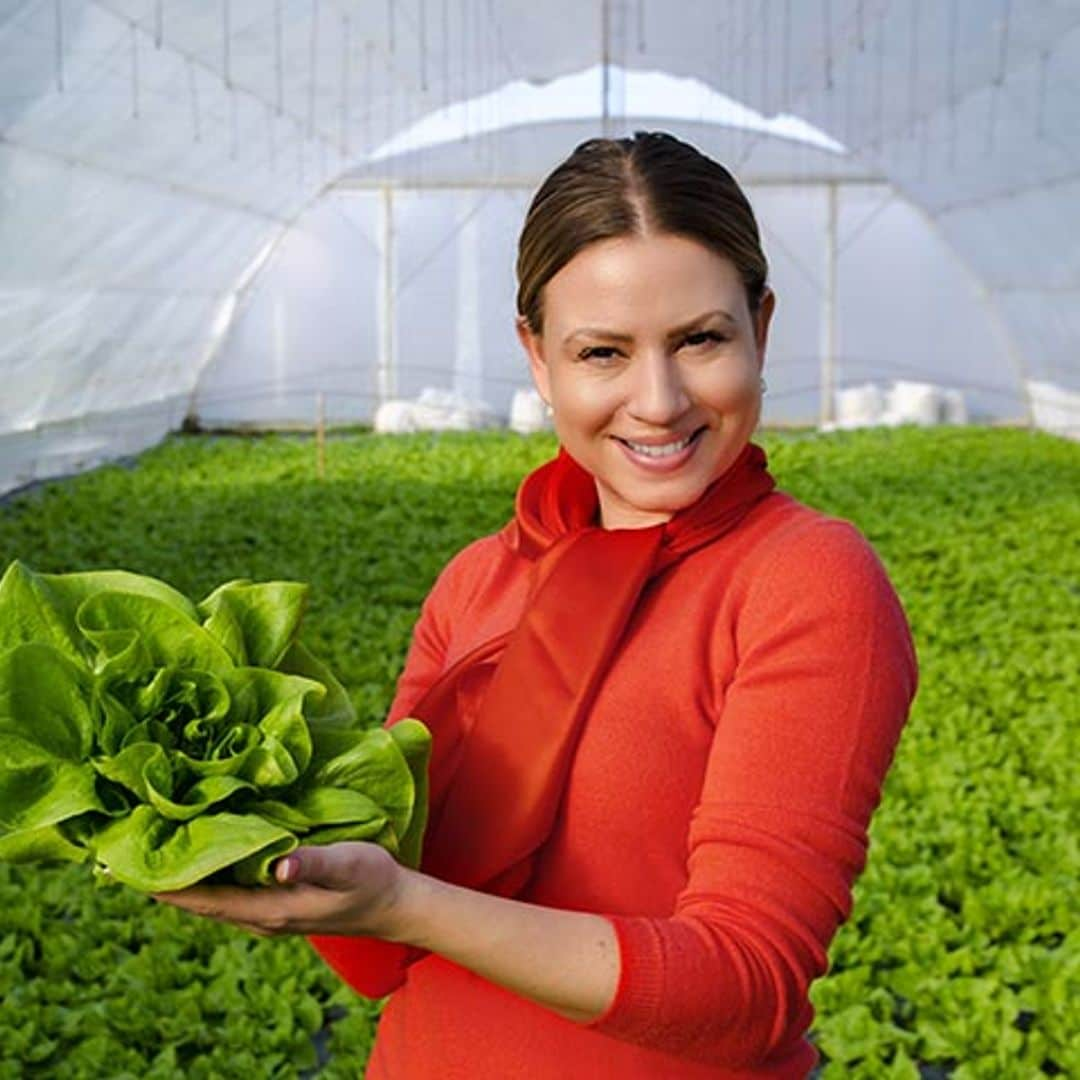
731 387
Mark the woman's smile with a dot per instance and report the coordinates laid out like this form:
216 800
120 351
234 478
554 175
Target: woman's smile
662 456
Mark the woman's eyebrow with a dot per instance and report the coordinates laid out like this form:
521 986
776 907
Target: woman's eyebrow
597 331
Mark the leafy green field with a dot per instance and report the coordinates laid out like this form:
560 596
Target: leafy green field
961 958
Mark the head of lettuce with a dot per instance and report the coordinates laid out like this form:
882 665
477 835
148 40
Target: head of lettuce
174 742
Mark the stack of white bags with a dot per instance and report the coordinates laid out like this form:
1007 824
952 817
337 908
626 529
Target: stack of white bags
904 403
434 410
446 410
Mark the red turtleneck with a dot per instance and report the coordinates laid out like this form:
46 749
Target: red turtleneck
715 808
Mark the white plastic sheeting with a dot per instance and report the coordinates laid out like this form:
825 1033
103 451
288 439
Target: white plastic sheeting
154 153
313 321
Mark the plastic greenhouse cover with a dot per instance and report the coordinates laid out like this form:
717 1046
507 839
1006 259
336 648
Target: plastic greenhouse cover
154 156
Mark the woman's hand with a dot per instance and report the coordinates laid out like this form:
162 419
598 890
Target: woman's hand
344 888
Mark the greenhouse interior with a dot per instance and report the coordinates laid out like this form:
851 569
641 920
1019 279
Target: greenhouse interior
257 322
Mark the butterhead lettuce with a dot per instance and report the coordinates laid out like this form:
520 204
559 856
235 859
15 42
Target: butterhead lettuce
173 742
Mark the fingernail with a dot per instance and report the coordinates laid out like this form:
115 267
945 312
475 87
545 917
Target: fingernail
286 869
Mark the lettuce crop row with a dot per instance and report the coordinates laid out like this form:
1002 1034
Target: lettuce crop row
962 957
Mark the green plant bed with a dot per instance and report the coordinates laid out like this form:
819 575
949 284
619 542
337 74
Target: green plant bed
961 958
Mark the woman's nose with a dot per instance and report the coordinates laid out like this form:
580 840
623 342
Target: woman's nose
657 394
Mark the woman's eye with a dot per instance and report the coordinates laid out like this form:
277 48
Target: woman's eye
594 352
703 336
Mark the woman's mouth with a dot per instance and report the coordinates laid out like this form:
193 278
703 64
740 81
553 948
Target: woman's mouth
667 456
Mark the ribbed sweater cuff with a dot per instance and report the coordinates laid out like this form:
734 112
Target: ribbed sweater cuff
641 978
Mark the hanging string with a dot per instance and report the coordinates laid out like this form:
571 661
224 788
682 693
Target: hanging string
744 51
923 145
1040 115
313 57
159 23
861 25
134 71
605 39
346 27
733 68
879 97
59 36
423 46
226 44
271 139
747 140
1003 45
446 52
826 16
787 54
369 95
390 107
481 42
193 93
234 134
466 91
766 41
730 70
999 77
641 26
390 24
913 65
953 19
852 69
279 65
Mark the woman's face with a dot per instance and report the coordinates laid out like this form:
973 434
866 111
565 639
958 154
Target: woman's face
649 340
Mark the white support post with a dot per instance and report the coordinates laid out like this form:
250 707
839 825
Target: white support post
385 375
1000 327
468 360
828 316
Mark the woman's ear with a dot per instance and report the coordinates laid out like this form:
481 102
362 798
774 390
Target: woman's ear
538 368
761 322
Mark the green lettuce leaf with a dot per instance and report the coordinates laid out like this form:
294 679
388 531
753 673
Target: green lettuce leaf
174 742
46 732
256 623
150 852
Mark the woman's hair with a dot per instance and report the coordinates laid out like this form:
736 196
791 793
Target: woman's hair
651 183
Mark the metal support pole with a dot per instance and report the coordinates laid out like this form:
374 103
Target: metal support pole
989 300
385 375
828 320
468 357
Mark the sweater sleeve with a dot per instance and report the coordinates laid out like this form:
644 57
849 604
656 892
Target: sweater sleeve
807 729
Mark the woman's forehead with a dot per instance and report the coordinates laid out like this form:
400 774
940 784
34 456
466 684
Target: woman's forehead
675 282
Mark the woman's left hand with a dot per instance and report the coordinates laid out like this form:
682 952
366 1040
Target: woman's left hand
343 888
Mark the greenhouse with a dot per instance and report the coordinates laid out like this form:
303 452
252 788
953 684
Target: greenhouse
259 284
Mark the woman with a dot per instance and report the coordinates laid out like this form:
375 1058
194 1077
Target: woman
664 697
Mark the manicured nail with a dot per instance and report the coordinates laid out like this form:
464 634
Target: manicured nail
286 870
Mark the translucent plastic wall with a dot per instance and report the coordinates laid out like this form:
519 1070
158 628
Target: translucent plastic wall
315 318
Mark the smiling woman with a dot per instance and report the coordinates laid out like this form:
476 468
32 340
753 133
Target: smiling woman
663 698
660 407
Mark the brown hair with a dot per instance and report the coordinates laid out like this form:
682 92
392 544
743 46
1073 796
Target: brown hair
652 182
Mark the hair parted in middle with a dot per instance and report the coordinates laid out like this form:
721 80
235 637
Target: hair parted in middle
650 183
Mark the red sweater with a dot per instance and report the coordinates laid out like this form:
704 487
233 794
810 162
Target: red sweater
716 811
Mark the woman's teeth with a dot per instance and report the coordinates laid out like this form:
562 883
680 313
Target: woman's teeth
661 451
